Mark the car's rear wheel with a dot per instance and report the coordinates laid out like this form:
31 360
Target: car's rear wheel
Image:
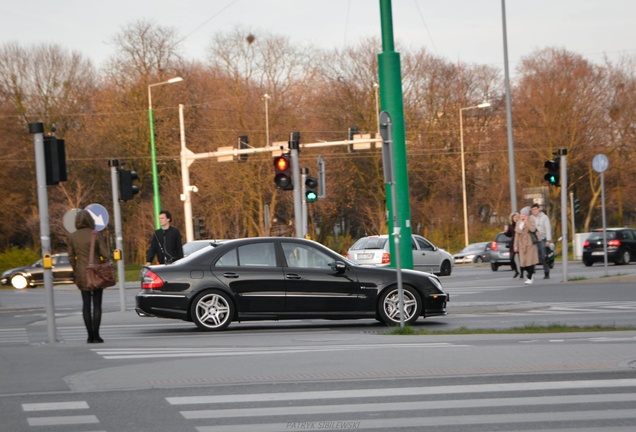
494 267
445 269
212 310
588 263
626 257
389 306
19 282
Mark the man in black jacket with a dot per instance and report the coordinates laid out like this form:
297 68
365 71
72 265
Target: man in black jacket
165 242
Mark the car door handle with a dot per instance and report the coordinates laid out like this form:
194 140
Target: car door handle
231 275
293 276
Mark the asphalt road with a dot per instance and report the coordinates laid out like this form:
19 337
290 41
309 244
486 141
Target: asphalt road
163 375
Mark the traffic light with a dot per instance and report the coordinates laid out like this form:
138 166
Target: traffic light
199 228
577 206
352 131
54 160
553 175
243 143
283 178
127 190
311 189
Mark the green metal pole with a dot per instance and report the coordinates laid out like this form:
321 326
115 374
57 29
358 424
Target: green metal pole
391 98
155 177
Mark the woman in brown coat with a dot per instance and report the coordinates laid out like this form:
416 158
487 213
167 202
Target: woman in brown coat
528 254
78 253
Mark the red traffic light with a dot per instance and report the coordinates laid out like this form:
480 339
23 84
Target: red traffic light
283 178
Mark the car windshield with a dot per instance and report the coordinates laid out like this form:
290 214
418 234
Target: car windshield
473 247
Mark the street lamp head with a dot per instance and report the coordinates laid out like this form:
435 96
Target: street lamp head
483 105
179 79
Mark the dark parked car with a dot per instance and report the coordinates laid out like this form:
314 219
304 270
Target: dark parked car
33 275
281 278
500 251
621 246
473 253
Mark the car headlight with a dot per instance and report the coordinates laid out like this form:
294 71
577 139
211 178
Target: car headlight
436 282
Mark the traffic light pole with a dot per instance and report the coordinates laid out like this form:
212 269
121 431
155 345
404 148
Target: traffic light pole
294 143
119 237
37 130
564 211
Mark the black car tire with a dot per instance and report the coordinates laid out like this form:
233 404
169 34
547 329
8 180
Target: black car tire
478 259
494 267
445 268
588 263
625 257
19 281
389 306
212 311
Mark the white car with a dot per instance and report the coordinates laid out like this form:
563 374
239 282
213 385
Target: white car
374 250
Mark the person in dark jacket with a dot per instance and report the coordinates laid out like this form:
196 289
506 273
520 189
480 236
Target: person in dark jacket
78 254
510 232
166 242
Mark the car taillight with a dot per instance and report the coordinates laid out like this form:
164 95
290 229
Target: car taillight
586 243
493 246
616 243
386 258
151 281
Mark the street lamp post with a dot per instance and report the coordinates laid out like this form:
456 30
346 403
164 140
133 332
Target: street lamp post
153 152
461 143
266 97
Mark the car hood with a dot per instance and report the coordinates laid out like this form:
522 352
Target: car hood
18 269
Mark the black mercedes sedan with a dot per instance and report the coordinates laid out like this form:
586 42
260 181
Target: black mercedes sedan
276 278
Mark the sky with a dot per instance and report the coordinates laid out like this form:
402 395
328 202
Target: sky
469 31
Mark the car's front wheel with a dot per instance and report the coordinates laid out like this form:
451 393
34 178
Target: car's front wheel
389 306
19 281
478 259
588 263
212 310
494 267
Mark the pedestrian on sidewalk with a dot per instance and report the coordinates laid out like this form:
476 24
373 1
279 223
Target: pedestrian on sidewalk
78 253
544 233
510 232
166 242
523 245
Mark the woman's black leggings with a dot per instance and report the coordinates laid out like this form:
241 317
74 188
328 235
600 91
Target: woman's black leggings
92 318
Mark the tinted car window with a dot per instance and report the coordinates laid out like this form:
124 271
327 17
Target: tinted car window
228 259
257 254
598 235
302 256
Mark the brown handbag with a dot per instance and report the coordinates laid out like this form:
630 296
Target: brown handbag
98 275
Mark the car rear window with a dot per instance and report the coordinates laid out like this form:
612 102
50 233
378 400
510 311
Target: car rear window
370 243
598 235
502 237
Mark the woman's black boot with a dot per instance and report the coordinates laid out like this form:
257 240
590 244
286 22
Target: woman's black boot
91 337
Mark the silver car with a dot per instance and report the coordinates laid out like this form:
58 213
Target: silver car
374 250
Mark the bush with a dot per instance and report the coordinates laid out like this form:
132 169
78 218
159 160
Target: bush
17 257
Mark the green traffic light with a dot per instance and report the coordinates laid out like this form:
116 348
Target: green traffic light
311 196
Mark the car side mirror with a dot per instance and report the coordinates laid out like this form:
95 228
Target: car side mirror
338 266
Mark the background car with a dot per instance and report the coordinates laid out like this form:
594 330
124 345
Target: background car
473 253
374 250
621 246
500 251
33 274
275 278
195 245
